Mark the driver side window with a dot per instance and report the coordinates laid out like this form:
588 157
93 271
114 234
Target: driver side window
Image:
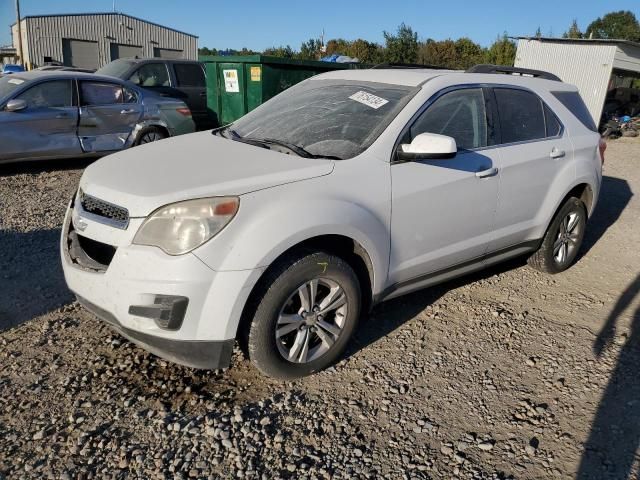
151 75
459 114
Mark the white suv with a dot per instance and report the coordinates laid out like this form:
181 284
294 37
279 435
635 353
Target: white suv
348 189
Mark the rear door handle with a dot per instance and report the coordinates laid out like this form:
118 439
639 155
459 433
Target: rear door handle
126 111
556 153
489 172
62 115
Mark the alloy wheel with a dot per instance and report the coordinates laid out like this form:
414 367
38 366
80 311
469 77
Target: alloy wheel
311 320
568 237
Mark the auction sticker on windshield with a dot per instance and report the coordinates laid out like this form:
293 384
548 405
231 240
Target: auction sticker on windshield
369 99
16 81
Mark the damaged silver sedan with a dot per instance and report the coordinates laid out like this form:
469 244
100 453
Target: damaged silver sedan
46 115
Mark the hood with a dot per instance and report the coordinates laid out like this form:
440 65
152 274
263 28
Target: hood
197 165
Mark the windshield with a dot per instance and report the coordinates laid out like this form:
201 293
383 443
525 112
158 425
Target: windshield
327 118
117 68
9 83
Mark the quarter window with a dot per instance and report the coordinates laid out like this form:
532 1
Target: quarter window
551 123
189 75
53 94
459 114
521 115
151 75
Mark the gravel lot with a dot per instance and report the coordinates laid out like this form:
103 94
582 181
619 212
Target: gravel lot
505 374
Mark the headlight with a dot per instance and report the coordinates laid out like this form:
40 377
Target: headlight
180 227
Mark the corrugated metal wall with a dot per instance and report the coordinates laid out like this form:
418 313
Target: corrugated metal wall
587 66
45 34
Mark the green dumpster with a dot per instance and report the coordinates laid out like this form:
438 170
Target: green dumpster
238 84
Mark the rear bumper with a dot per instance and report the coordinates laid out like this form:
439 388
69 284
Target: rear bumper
190 353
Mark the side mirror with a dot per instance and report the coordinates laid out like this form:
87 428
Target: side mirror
15 105
428 146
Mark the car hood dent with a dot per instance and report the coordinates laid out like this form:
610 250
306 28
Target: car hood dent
198 165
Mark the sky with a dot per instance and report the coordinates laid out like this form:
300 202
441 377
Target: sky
259 24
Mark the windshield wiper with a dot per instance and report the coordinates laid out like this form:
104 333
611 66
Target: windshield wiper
297 149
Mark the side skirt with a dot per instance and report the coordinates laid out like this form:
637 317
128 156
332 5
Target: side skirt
458 270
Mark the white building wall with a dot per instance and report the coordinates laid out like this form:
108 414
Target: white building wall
585 65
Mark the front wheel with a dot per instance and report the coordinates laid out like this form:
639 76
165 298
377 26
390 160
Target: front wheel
305 317
563 239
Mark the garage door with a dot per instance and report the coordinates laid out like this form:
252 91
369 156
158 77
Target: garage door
167 53
118 50
80 53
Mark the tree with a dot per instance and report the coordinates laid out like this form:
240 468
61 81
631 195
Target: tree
363 50
502 51
622 25
438 53
281 51
402 47
310 50
574 31
538 33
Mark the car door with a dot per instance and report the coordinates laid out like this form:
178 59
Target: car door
190 79
109 113
46 127
534 150
443 210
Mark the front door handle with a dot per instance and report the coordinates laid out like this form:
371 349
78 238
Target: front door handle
126 111
62 115
489 172
556 153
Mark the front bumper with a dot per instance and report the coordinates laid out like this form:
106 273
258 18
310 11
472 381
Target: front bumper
135 275
191 353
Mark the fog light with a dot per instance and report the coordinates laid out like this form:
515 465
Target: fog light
167 310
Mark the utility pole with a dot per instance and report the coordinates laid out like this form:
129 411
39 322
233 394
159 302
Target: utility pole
19 32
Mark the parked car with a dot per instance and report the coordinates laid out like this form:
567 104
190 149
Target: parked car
9 68
348 189
69 114
183 79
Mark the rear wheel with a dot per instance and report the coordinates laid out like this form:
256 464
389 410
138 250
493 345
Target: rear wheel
305 316
149 135
563 239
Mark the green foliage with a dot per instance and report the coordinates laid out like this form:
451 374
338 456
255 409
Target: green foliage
363 50
574 31
621 25
538 33
502 51
281 51
310 50
401 47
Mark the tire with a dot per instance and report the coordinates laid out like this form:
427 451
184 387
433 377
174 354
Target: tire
563 239
149 135
283 323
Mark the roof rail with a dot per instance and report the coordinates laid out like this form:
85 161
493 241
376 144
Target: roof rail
523 72
407 65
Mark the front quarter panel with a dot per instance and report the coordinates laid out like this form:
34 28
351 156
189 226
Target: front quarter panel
269 222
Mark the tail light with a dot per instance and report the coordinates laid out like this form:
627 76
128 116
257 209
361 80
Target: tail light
602 147
184 111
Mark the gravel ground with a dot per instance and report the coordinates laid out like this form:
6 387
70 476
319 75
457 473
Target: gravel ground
506 374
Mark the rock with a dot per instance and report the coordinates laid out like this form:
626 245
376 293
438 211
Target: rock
486 445
39 435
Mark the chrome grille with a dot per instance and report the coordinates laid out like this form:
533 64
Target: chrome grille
104 212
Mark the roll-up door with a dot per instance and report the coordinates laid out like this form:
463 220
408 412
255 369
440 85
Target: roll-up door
80 53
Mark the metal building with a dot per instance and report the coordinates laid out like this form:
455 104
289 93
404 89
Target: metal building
90 40
595 66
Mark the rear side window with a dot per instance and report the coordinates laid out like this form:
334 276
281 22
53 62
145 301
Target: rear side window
573 102
53 94
93 93
189 75
521 115
551 123
459 114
